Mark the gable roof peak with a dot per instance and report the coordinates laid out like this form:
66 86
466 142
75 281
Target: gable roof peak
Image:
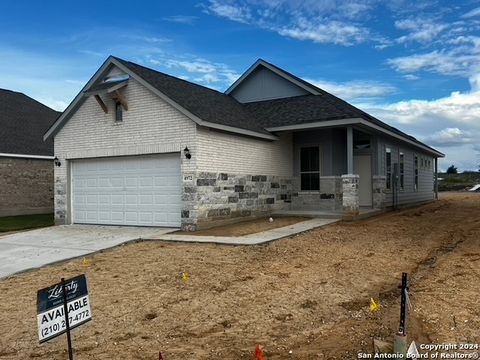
312 89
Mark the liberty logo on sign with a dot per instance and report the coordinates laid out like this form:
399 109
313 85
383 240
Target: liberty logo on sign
57 291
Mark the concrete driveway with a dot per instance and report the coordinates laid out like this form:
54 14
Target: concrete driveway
35 248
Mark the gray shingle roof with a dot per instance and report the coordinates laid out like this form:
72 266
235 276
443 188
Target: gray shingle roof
23 121
208 104
216 107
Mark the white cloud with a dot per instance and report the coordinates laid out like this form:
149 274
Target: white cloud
199 66
325 32
147 39
458 108
451 123
204 71
419 29
433 60
355 89
181 19
462 61
323 22
411 77
232 11
450 137
472 13
55 104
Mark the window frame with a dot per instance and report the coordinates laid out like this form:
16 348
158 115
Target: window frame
118 112
319 171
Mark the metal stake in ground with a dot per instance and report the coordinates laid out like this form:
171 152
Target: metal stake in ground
65 311
400 344
403 305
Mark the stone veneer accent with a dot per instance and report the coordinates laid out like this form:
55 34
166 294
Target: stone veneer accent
379 184
211 198
350 194
26 186
328 198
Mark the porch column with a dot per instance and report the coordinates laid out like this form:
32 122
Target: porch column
349 150
436 178
350 199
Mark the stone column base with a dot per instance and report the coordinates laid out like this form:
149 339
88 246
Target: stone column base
350 195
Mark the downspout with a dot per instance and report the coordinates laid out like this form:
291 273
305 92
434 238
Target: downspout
436 178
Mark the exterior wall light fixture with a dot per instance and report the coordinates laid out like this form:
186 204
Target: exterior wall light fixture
57 162
186 152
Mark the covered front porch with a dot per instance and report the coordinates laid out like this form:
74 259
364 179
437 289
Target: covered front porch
336 173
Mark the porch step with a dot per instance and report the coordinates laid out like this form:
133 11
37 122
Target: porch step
309 213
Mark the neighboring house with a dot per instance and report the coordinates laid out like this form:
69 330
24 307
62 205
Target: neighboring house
26 161
139 147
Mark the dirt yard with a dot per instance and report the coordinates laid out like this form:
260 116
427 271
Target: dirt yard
305 297
248 227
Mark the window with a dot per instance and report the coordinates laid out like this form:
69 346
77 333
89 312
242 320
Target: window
415 171
388 167
118 112
310 168
402 170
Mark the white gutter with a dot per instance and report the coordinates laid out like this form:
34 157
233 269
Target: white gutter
318 124
24 156
353 121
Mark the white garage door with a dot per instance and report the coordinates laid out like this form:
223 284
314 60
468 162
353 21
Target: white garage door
134 190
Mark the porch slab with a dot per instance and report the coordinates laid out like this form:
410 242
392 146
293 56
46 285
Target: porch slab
363 213
310 213
252 239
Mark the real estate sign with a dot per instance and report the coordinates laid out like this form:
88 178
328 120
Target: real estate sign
50 307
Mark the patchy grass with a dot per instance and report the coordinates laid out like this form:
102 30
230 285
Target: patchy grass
455 182
14 223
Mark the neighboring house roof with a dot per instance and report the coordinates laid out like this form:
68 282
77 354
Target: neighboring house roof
23 121
212 108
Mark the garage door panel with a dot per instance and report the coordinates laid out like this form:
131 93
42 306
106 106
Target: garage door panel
145 183
127 190
91 182
131 182
91 216
91 199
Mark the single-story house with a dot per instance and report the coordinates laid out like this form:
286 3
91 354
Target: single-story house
140 147
26 161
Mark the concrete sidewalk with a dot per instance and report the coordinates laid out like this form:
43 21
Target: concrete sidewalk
252 239
32 249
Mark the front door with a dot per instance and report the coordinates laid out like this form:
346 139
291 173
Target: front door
362 165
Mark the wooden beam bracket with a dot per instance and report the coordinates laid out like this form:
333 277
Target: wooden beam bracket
121 99
102 104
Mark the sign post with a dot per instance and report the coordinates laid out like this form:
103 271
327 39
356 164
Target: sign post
67 323
61 308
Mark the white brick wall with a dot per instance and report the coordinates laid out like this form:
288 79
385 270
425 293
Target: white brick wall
149 126
223 152
152 126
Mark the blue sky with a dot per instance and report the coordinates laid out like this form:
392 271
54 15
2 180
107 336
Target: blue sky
413 64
